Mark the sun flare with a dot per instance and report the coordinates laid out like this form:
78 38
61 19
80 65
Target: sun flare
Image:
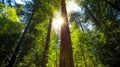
57 22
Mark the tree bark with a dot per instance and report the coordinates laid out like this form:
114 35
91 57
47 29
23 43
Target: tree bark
12 61
66 58
84 59
113 5
45 57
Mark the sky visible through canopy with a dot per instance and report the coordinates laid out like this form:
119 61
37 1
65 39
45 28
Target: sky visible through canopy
21 1
39 33
57 20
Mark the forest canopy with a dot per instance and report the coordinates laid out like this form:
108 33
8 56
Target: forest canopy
59 33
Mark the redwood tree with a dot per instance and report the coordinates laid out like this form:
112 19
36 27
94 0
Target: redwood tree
45 60
66 58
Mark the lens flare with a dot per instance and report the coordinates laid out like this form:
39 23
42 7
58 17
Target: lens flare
57 22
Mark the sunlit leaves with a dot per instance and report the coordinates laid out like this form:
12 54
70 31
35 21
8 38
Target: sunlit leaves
11 14
82 48
38 28
10 31
53 54
95 46
10 21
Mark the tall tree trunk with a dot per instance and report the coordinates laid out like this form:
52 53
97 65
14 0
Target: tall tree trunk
46 49
83 54
66 58
12 61
113 5
81 25
94 18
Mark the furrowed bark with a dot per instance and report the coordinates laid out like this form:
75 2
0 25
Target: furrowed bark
66 58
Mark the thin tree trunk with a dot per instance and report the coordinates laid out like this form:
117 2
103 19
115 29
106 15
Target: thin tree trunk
94 18
57 57
66 58
3 1
9 1
113 5
81 25
82 50
45 58
12 61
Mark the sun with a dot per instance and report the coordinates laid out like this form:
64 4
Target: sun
57 22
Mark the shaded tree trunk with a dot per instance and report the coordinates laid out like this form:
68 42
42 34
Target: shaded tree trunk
113 5
12 61
66 58
94 18
84 59
9 1
3 1
57 57
75 17
46 49
81 25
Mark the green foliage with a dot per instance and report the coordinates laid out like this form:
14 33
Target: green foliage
10 21
11 14
53 55
10 31
98 47
82 53
32 52
105 39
